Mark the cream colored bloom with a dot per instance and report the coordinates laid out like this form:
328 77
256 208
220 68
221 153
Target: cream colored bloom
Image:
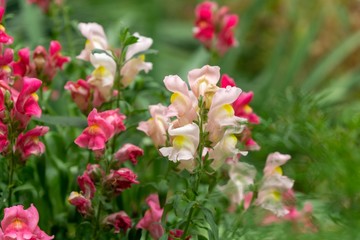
185 141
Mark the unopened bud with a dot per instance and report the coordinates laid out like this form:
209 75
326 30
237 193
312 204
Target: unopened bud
8 102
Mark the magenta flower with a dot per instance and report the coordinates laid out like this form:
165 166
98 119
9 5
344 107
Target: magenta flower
28 144
128 152
241 104
152 218
214 27
23 66
177 234
4 38
119 220
22 224
119 180
26 104
96 134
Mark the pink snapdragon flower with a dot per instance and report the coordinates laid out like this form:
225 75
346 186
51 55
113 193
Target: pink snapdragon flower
4 142
242 176
119 180
28 144
119 221
241 104
185 141
183 102
274 161
214 27
115 119
26 103
177 234
4 37
128 152
86 185
95 39
157 125
134 64
22 224
102 78
80 93
5 65
203 80
82 203
152 218
96 134
221 114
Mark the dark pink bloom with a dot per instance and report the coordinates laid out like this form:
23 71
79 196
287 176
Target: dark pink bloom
119 180
82 204
96 134
176 234
26 104
4 38
56 56
152 218
80 93
115 118
4 142
23 66
128 152
119 220
95 172
22 224
29 144
214 27
5 60
241 104
86 185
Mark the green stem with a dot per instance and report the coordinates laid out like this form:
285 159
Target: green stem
188 221
11 177
97 221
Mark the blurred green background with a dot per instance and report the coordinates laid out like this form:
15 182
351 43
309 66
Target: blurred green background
301 59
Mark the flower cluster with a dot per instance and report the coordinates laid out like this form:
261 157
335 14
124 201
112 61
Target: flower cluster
112 71
214 27
44 5
203 115
20 223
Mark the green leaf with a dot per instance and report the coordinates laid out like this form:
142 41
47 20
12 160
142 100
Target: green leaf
209 217
63 121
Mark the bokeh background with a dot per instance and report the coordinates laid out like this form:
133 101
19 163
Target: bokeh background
300 58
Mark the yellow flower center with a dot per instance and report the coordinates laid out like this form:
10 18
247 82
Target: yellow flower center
94 129
179 141
17 224
247 109
276 195
35 96
278 170
229 110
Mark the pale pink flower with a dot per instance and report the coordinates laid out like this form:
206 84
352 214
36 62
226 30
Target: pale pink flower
29 144
152 218
271 191
22 224
115 119
128 152
96 134
82 204
185 141
103 76
157 125
80 93
273 163
132 68
119 180
225 148
221 113
119 221
142 44
95 39
242 176
183 102
203 79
